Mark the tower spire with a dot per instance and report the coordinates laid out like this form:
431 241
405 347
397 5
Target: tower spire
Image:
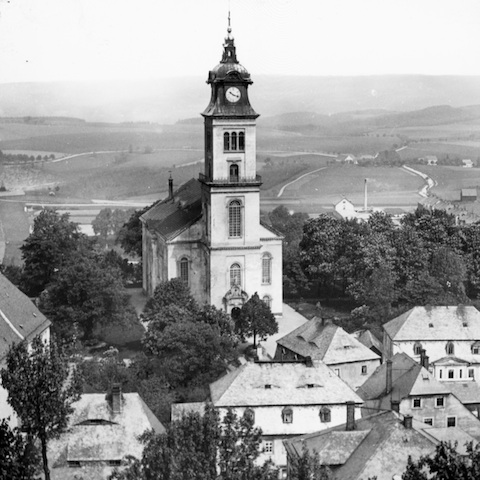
229 53
229 29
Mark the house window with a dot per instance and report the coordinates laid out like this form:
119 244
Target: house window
476 348
460 373
236 275
266 268
287 415
450 348
440 373
226 141
233 141
183 267
417 348
440 402
250 414
451 421
267 300
325 415
234 172
471 373
364 369
451 374
268 446
428 421
417 403
241 141
235 219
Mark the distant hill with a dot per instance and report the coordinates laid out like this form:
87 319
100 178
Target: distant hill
172 99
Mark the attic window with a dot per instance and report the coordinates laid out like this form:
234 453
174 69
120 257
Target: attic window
74 464
115 463
346 346
310 385
430 325
267 386
465 324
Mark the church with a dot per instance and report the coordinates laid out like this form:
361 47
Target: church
208 232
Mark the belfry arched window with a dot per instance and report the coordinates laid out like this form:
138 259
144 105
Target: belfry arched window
233 141
235 275
235 218
266 268
226 141
233 172
241 141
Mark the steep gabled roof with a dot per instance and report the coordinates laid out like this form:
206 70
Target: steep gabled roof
280 383
20 319
172 216
408 379
367 338
326 342
379 446
466 392
436 323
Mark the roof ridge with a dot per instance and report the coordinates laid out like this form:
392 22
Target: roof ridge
11 325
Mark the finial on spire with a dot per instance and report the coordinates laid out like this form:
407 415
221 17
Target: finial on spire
229 29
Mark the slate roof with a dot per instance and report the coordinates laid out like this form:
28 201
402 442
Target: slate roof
327 342
408 379
379 446
436 323
20 319
112 439
367 338
170 217
245 386
454 435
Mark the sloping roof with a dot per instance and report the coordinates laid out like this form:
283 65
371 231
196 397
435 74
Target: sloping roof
327 342
170 217
114 436
20 319
288 385
450 360
408 379
367 338
453 435
379 446
466 392
436 323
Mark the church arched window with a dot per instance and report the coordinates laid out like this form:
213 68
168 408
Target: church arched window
233 141
267 300
241 141
266 268
235 218
183 269
226 141
234 172
236 275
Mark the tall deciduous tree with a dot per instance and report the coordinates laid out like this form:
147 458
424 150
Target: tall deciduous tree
41 389
130 235
307 467
256 319
53 239
102 224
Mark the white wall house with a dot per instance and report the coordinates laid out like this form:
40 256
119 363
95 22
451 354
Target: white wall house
20 321
286 399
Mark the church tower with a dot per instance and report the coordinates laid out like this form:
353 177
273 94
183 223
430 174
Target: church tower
238 262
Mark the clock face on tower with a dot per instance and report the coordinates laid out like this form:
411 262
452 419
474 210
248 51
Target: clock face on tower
233 94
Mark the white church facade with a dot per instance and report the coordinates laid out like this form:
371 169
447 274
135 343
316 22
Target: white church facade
208 232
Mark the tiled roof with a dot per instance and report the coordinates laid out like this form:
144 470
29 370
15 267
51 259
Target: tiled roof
379 446
326 342
466 392
436 323
19 317
114 435
288 385
170 217
408 379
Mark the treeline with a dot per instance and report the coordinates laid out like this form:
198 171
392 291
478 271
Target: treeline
23 158
383 268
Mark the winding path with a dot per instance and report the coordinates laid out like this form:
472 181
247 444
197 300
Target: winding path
280 193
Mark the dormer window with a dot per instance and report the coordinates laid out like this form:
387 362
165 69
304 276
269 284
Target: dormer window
250 414
450 348
267 386
287 415
417 348
325 415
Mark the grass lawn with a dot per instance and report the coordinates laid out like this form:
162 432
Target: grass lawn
16 227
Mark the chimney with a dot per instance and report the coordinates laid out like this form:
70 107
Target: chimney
116 398
170 187
407 421
389 377
395 406
350 416
424 359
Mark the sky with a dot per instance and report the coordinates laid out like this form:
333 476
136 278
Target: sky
88 40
